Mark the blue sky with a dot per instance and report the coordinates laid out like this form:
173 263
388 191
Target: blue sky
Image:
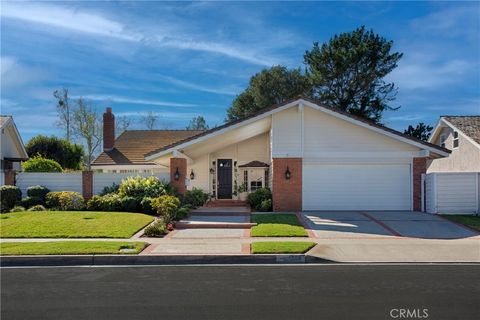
181 59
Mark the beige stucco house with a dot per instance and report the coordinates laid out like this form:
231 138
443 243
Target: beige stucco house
12 150
311 156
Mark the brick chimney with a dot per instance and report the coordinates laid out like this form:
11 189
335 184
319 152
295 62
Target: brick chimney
108 130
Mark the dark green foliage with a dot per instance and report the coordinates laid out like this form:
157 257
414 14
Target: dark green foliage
166 207
421 131
130 204
18 209
37 207
65 200
39 164
156 229
197 123
110 189
67 154
195 197
38 192
146 206
182 213
9 197
266 88
348 73
108 202
28 202
258 200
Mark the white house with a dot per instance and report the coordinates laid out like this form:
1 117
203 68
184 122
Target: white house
311 156
12 150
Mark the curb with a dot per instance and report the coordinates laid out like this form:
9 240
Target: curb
110 260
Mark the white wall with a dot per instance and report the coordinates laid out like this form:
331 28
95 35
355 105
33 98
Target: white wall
287 134
53 181
452 192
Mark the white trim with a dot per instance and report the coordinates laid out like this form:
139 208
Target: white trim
422 188
291 104
445 121
19 141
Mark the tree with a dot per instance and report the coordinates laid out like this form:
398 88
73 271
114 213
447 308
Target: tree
63 110
266 88
39 164
197 123
87 126
122 123
421 131
150 119
68 155
348 73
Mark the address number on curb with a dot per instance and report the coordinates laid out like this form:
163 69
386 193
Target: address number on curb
291 259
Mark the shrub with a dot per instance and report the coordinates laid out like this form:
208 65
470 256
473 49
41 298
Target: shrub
146 206
166 206
130 204
65 200
195 197
110 189
38 207
9 197
39 164
68 155
18 209
156 229
108 202
38 192
256 198
266 205
182 213
28 202
140 187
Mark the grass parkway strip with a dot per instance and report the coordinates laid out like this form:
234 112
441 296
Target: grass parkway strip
281 247
277 225
70 247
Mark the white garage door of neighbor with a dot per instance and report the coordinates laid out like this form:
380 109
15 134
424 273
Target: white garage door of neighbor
356 187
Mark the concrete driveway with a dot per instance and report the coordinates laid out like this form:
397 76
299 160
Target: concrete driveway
383 224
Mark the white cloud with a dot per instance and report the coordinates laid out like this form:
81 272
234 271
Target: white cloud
194 86
15 74
113 98
98 25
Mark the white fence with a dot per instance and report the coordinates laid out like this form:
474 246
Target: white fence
53 181
101 180
452 192
73 181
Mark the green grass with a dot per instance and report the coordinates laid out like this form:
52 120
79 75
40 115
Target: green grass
281 247
71 224
470 221
277 225
70 247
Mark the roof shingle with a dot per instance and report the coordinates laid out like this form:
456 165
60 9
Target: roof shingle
469 125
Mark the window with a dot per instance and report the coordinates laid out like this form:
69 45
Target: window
245 177
266 178
443 138
254 185
455 139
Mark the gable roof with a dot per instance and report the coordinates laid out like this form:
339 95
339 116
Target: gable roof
254 164
132 145
469 125
7 121
275 108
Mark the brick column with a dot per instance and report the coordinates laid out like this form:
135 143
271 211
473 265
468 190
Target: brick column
87 184
181 165
287 193
9 177
419 168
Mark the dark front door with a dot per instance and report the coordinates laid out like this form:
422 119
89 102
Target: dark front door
224 169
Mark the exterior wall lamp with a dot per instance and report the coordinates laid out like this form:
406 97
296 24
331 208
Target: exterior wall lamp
288 174
192 175
176 175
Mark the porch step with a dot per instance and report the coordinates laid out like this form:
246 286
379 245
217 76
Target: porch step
226 203
221 211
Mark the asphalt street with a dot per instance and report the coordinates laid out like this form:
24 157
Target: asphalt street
242 292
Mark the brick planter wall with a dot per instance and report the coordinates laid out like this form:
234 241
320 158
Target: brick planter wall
87 184
287 194
181 164
9 177
419 168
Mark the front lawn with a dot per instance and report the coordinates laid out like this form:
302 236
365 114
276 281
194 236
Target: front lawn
71 247
281 247
277 225
71 224
469 221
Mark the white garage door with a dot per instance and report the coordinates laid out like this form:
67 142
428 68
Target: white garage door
356 187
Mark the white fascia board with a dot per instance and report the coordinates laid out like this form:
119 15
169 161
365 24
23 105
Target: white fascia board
375 129
461 132
438 127
19 141
224 130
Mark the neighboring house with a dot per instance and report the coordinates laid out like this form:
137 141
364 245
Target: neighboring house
312 157
12 150
461 134
453 183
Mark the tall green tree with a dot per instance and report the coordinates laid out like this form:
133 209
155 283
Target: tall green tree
421 131
68 155
64 112
266 88
197 123
348 72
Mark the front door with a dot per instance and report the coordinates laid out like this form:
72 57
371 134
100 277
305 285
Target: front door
224 169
